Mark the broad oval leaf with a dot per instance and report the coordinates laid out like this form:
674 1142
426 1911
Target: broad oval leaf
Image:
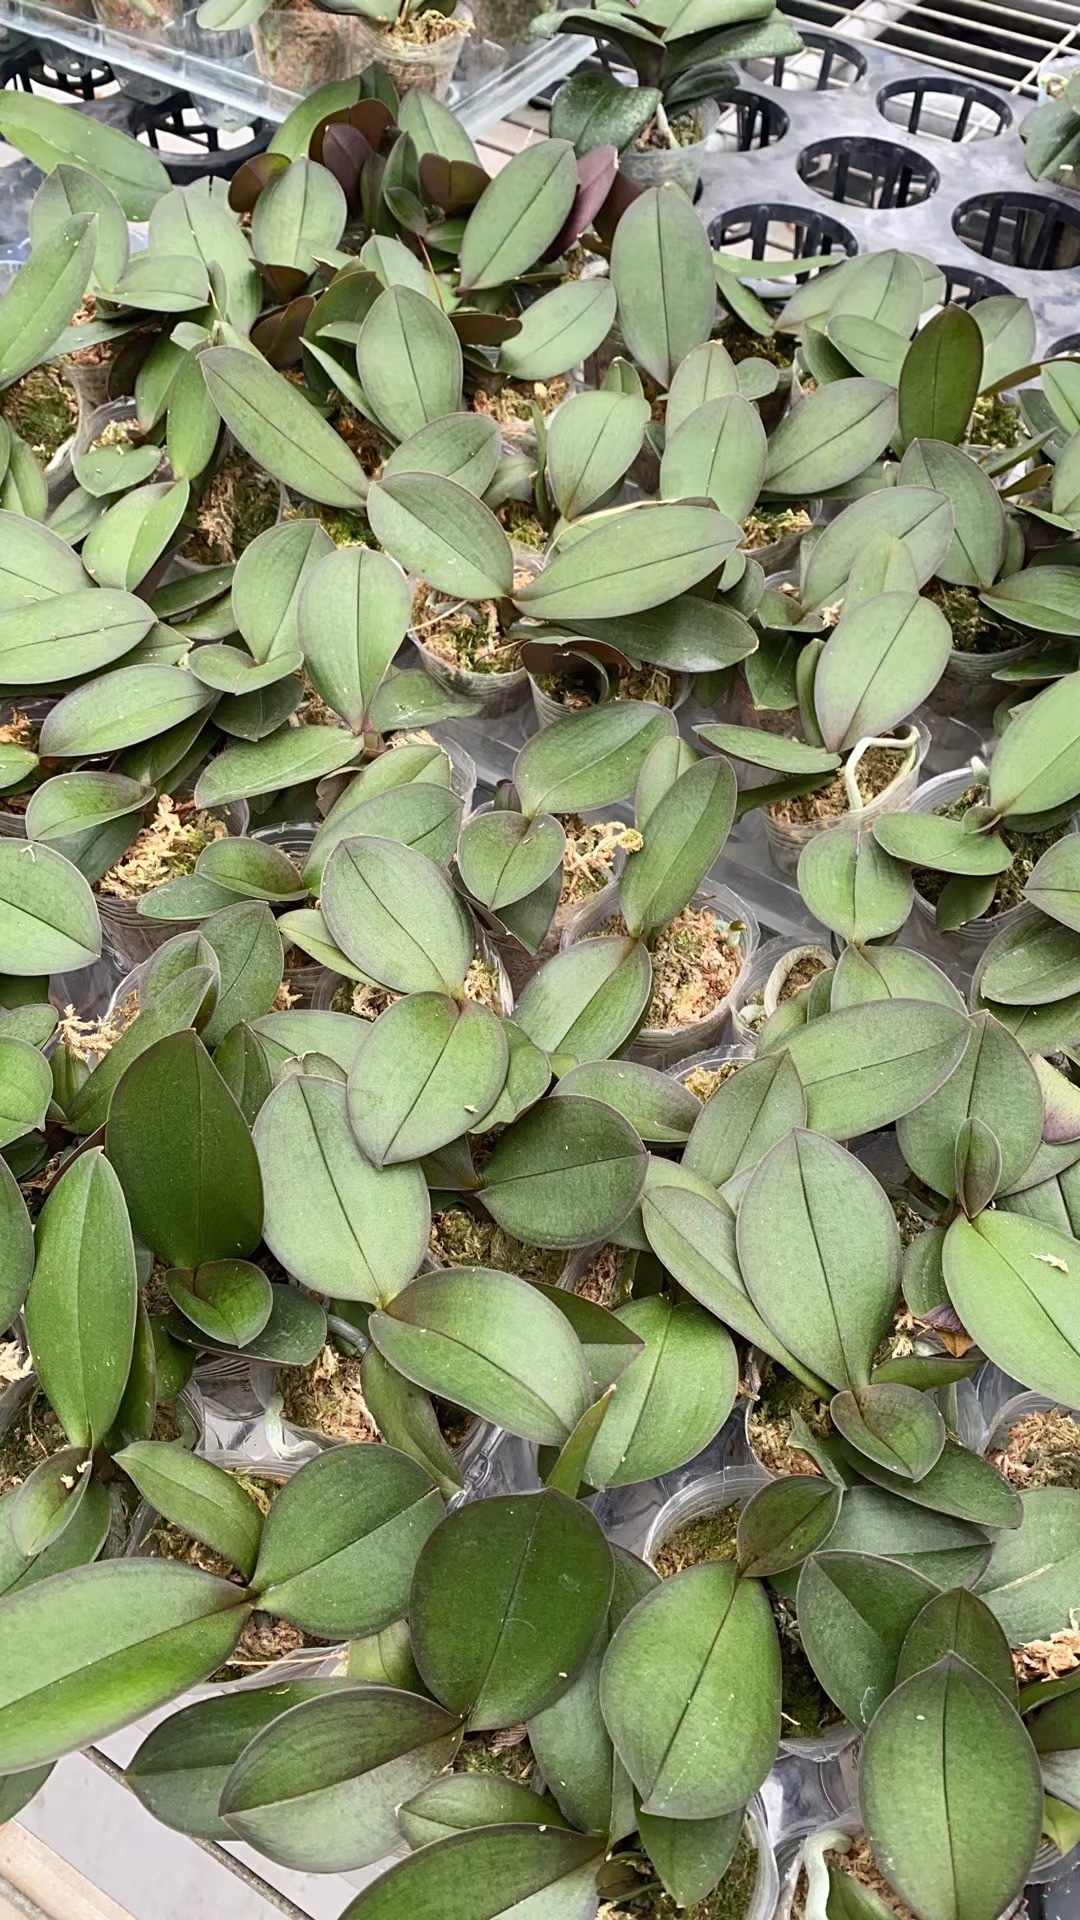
121 709
280 429
80 1311
672 1399
429 1070
879 663
865 1066
518 215
567 1174
494 1870
423 942
439 530
587 1001
354 613
202 1498
853 886
855 1611
1012 1281
591 759
539 1573
664 279
635 560
832 436
559 330
783 1522
994 1082
180 1768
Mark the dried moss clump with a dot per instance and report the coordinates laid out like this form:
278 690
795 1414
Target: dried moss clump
515 400
467 637
1041 1450
769 1425
711 1537
677 130
1027 850
164 850
357 997
91 1040
328 1397
801 975
728 1901
877 768
1049 1659
703 1081
973 629
602 1280
43 410
589 855
460 1238
768 524
695 963
240 503
648 683
911 1222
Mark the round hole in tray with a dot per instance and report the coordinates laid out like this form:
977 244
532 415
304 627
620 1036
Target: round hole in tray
964 286
825 64
1069 343
49 67
940 108
861 172
1027 230
188 142
748 120
768 231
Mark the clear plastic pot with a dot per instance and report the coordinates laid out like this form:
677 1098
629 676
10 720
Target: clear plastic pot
493 693
965 946
779 556
131 935
788 838
1017 1408
967 689
549 710
673 166
57 469
748 1014
35 707
506 23
660 1046
304 48
149 19
738 1053
417 69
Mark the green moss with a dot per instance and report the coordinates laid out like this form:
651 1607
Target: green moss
766 525
42 409
744 344
769 1425
239 503
710 1537
728 1901
995 423
505 1752
462 1239
521 525
973 631
805 1706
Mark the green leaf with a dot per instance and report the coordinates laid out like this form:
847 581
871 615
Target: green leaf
424 943
35 563
201 1498
879 1522
1053 884
16 1247
1011 1280
657 1107
587 1001
559 330
1031 962
865 1066
747 1115
692 1232
690 1692
831 437
131 537
977 550
672 1399
1041 597
916 515
48 916
341 1540
961 1484
518 215
539 1574
637 559
293 1336
196 220
120 710
228 1299
995 1083
565 1175
430 1069
268 580
436 528
765 749
460 1801
593 440
80 1311
662 272
1037 762
820 1255
245 938
336 1222
958 1623
44 294
409 358
354 612
853 886
318 1788
877 665
50 134
592 759
299 217
503 857
25 1088
490 1342
940 378
718 454
783 1522
184 1156
71 190
684 835
892 1425
280 429
489 1871
181 1767
855 1612
930 840
72 803
288 758
943 1749
1029 1583
92 1650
